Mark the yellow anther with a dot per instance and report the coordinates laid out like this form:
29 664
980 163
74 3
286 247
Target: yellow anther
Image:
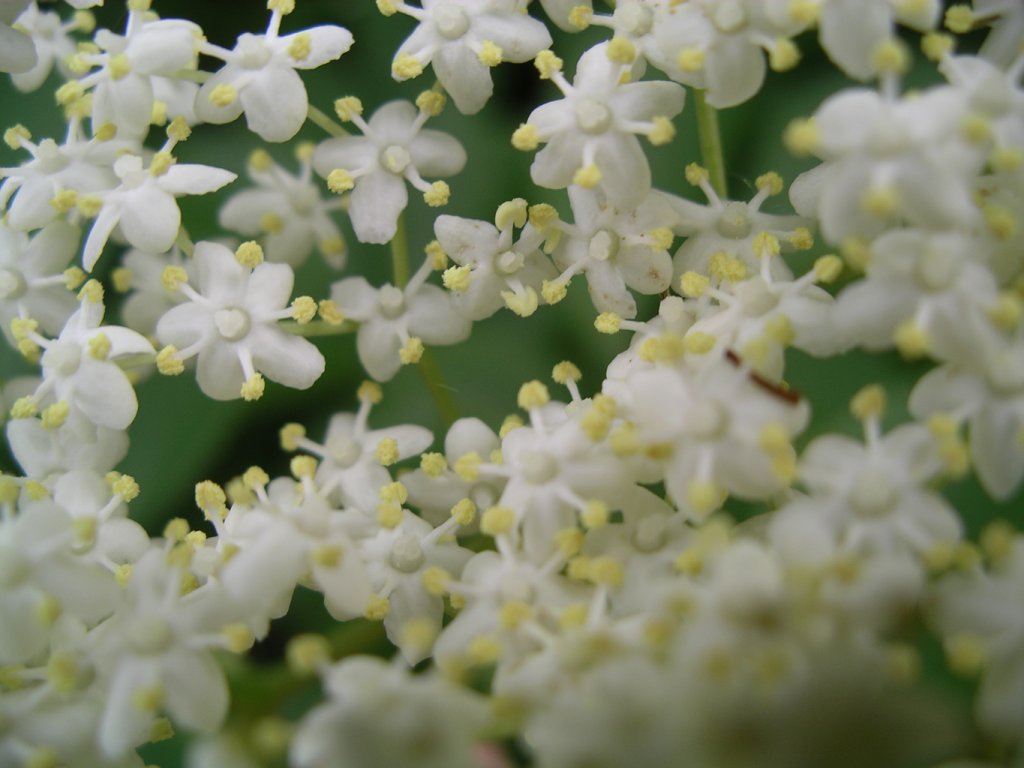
70 92
149 699
695 174
1006 159
726 268
484 650
55 415
24 408
172 277
389 515
419 633
249 254
770 181
406 67
290 435
329 312
660 238
178 130
387 451
435 253
553 291
99 346
224 95
533 394
121 277
621 50
105 132
377 608
284 7
64 200
387 7
21 327
412 351
783 55
595 514
160 164
439 194
347 107
160 729
868 403
370 392
690 59
158 112
433 464
565 372
260 160
139 5
936 45
510 422
467 467
513 613
607 572
580 16
167 361
394 493
779 329
608 322
332 246
911 340
238 638
828 268
525 138
802 136
998 540
123 573
325 556
588 176
436 580
304 309
890 57
490 55
547 64
542 216
693 284
340 181
36 490
662 131
464 512
703 496
766 245
62 671
523 304
959 19
210 498
511 213
1007 312
302 466
253 388
91 292
497 520
773 438
975 129
1000 222
432 102
966 654
271 223
305 654
456 279
85 530
89 205
569 542
126 487
14 135
300 47
803 11
690 562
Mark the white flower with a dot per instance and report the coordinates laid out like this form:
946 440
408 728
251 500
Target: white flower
590 133
144 206
393 149
230 322
52 42
463 39
17 53
288 210
147 299
394 324
1006 17
32 279
42 452
259 77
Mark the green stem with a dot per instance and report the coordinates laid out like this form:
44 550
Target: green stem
400 255
316 328
710 142
322 119
430 370
184 242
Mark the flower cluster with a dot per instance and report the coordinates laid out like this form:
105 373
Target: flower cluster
685 561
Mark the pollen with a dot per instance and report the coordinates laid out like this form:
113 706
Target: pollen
802 136
238 638
588 177
439 194
301 46
621 50
827 269
966 654
547 64
253 388
14 135
90 205
305 654
389 515
936 45
456 279
387 7
868 403
432 102
510 422
433 464
386 452
1000 222
249 254
224 95
803 11
64 200
271 223
126 487
608 322
436 580
105 132
607 572
703 496
580 16
303 309
284 7
693 284
55 415
484 649
595 514
513 613
394 493
959 19
370 392
553 291
523 304
1008 311
377 608
497 520
533 394
99 347
890 57
406 67
168 363
302 466
525 138
690 59
911 340
542 216
564 372
329 312
662 131
490 55
464 512
770 181
340 181
783 55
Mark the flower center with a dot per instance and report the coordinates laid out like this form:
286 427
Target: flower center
63 358
873 495
936 269
391 301
232 323
150 635
510 262
254 52
14 568
395 158
734 222
728 16
451 21
12 285
650 534
592 116
406 554
344 451
604 246
539 467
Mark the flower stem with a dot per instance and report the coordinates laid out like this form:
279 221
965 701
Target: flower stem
441 392
322 119
317 328
400 255
710 142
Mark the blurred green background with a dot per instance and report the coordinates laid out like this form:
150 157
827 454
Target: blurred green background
180 437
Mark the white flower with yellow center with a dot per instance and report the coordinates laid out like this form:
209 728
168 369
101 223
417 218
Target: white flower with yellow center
230 323
393 149
259 78
53 43
463 39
